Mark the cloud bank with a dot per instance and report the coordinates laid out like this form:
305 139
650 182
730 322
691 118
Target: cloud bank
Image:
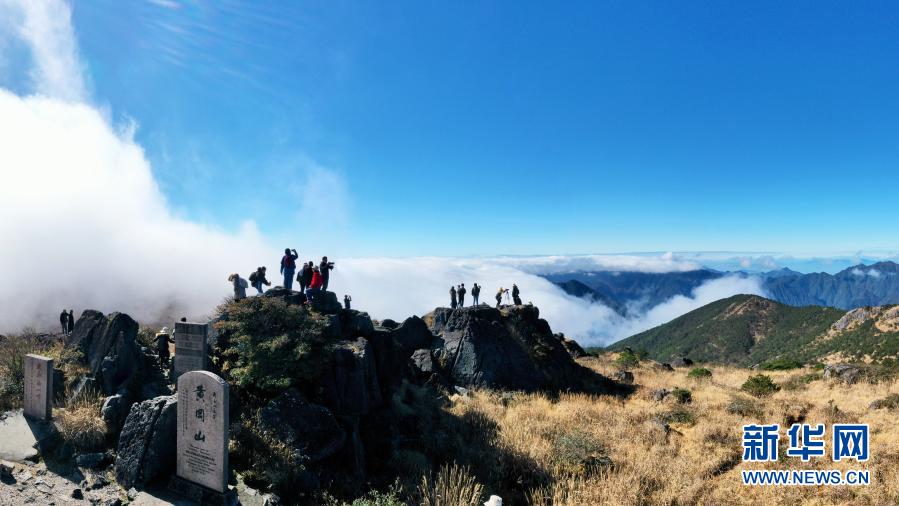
86 225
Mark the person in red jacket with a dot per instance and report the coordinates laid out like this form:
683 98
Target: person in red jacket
315 287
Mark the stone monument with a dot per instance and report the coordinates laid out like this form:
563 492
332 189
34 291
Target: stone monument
190 347
38 387
203 430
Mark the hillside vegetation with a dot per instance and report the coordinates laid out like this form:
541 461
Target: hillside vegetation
748 329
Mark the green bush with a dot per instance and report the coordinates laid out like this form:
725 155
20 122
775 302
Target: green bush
760 386
272 345
744 406
391 497
682 395
578 453
627 359
681 415
699 373
781 364
799 382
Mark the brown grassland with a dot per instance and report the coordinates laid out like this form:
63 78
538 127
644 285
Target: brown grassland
698 459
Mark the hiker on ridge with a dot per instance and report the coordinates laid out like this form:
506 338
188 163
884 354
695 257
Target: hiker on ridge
71 321
325 268
257 279
461 293
346 301
515 295
163 339
289 266
305 276
64 322
475 292
499 296
240 286
452 297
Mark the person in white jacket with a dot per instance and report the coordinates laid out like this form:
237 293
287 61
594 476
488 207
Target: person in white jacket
240 286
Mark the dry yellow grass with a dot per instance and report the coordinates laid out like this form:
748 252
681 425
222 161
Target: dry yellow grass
80 424
693 463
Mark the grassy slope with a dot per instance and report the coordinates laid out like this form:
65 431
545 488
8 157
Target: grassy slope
717 333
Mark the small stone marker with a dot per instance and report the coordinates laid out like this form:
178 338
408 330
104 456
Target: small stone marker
38 387
203 430
190 347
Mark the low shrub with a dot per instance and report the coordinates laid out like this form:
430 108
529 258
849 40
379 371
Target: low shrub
760 385
800 382
680 415
453 486
578 453
627 359
699 373
682 395
781 364
390 497
745 407
81 426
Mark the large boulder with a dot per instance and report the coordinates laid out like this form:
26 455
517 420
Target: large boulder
352 389
394 348
110 349
844 373
355 323
309 429
574 349
326 303
289 296
510 349
147 443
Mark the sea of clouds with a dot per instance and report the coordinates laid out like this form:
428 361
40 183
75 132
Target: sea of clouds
85 224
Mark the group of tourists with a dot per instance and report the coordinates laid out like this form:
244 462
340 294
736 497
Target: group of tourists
457 295
67 321
313 279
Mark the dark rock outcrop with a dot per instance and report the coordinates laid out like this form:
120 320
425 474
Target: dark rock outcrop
308 428
289 296
110 349
326 303
147 443
114 411
625 377
681 362
512 348
352 388
355 323
574 349
393 350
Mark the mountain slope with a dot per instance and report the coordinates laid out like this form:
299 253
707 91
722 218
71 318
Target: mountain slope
747 329
858 286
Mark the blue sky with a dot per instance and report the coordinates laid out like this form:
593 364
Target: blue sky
480 128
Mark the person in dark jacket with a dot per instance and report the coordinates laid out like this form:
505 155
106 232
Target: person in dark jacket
302 276
346 301
64 322
453 297
475 293
71 320
289 266
257 279
515 295
163 339
308 277
461 292
325 269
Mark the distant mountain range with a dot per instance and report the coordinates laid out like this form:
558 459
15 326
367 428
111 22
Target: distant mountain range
858 286
748 329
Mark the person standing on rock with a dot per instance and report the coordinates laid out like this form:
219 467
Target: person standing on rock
475 293
452 297
302 276
515 295
315 286
240 286
163 339
257 279
346 302
289 266
499 296
64 322
71 321
325 268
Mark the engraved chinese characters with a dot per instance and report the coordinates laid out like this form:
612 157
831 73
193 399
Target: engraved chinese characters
203 429
190 347
38 387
